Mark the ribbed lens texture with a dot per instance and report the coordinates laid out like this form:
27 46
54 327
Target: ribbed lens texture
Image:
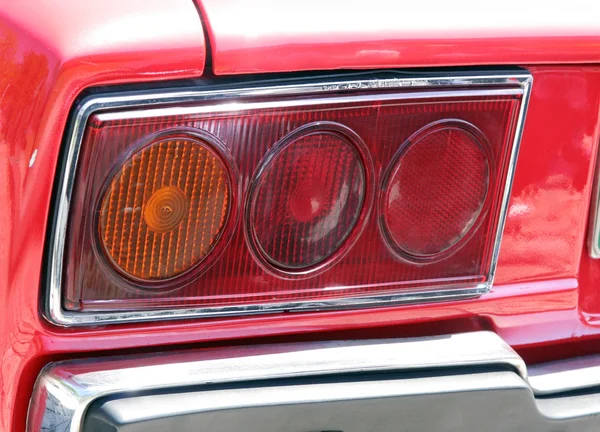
294 219
308 200
437 191
164 210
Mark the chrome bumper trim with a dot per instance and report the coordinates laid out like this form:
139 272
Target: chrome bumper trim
65 390
459 402
565 375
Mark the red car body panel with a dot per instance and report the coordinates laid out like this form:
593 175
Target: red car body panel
545 297
50 52
265 36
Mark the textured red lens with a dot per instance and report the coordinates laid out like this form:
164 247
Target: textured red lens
305 177
307 199
437 190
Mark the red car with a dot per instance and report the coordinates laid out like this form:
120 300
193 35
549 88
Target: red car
299 216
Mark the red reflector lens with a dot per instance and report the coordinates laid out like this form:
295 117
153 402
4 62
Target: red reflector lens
308 196
308 171
436 190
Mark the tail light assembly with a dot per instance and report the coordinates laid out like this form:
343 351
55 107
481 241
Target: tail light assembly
289 196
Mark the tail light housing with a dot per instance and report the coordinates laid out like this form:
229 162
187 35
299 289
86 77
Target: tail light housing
221 201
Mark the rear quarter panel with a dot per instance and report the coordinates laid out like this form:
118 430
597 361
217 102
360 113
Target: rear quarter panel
544 302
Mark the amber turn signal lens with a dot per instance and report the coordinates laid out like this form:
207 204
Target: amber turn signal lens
165 209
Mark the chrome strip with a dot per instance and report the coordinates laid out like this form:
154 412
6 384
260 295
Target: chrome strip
246 106
594 223
468 84
509 176
64 390
380 404
565 375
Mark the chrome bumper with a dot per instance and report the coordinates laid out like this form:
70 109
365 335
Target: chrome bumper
463 382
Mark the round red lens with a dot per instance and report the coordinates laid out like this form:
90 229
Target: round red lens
307 198
436 190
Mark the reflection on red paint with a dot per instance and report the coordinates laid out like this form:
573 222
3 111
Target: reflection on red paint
49 53
260 37
544 233
547 216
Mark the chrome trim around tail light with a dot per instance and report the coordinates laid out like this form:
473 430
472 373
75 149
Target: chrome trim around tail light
153 102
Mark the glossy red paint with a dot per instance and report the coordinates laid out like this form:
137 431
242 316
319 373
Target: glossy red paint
279 36
547 215
50 52
527 314
49 56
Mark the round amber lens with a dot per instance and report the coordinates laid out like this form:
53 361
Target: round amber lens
165 209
